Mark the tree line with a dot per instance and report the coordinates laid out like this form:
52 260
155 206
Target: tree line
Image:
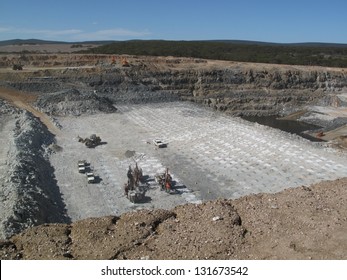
302 54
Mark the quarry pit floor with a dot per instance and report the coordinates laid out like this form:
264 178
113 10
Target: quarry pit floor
209 155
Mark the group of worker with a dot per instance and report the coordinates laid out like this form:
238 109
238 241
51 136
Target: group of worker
135 176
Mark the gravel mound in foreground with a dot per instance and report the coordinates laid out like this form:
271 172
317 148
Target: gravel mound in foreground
74 102
299 223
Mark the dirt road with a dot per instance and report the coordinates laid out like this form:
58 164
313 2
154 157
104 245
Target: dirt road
24 101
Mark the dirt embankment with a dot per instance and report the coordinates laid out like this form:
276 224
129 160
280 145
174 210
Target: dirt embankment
301 223
23 100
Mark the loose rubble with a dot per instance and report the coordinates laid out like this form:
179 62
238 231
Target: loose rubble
7 109
73 102
29 193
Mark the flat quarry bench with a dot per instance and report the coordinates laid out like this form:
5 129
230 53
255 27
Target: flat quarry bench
209 155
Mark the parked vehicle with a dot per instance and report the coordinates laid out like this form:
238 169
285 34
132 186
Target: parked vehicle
90 177
159 143
82 166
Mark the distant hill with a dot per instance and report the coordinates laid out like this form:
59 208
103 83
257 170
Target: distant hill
28 42
303 44
45 42
310 53
43 46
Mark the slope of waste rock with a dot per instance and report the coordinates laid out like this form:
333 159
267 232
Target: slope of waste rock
74 102
6 108
29 194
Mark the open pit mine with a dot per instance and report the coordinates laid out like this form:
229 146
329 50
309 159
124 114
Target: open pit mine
151 158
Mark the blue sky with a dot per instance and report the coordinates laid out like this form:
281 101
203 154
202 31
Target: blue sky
289 21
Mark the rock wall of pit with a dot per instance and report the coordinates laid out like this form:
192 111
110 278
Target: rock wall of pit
237 88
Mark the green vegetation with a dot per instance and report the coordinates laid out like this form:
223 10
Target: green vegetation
331 55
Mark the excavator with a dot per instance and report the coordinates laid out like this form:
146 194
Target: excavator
90 142
125 62
114 59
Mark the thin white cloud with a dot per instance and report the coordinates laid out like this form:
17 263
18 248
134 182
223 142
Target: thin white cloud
4 29
44 32
109 34
51 33
73 34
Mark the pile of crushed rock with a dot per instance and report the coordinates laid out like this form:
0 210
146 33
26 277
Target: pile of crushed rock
6 108
74 102
30 195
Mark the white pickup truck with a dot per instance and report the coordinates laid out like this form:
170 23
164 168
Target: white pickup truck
159 143
82 166
90 177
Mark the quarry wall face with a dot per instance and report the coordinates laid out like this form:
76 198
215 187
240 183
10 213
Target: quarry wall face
236 88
